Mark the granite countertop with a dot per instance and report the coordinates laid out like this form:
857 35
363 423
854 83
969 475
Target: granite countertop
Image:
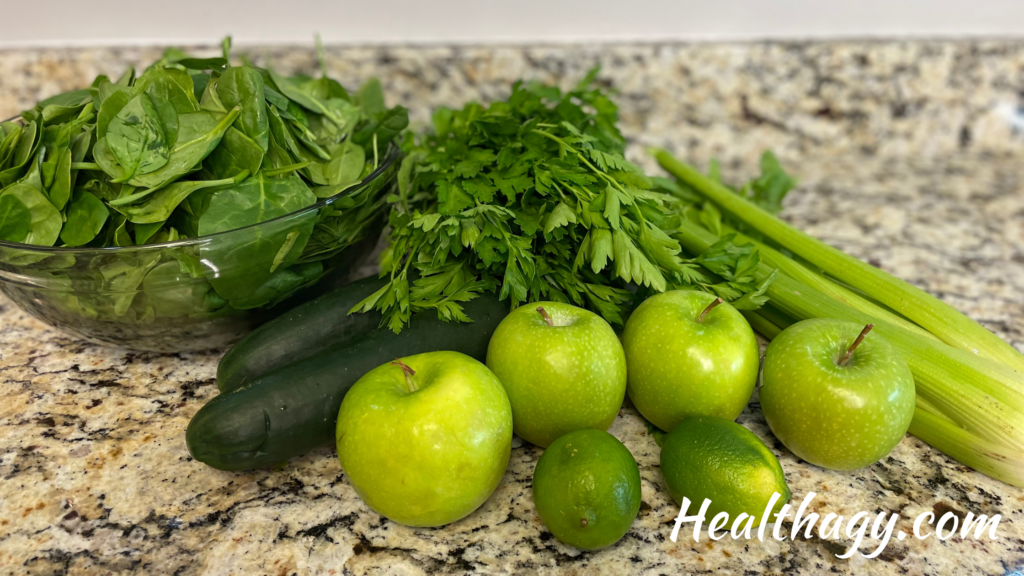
908 156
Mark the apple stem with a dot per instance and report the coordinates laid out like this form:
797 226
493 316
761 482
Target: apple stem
860 338
408 372
547 317
715 302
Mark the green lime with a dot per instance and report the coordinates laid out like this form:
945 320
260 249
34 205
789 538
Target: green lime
715 458
587 489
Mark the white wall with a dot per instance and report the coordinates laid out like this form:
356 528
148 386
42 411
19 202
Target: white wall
106 22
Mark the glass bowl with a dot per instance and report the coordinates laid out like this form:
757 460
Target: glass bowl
204 292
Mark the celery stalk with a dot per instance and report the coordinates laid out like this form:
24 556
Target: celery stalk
760 324
801 273
967 448
939 318
776 316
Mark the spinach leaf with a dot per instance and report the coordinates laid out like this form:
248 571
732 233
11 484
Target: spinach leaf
307 101
277 156
171 291
389 125
346 165
45 220
172 93
283 136
199 83
210 102
60 187
143 232
243 87
22 153
127 78
217 63
79 149
86 216
121 235
256 199
251 257
55 114
280 285
347 111
235 153
63 107
105 159
371 99
198 134
34 176
275 98
75 98
136 137
15 218
110 106
304 135
9 143
158 206
123 276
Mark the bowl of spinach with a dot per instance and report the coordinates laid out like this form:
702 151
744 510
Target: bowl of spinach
178 208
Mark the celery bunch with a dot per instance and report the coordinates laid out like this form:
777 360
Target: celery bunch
970 384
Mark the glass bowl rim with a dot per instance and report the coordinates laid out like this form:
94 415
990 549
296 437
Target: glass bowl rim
391 155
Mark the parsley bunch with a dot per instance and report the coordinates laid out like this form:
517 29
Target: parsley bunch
533 198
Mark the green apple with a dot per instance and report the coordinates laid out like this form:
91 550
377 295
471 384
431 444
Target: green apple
689 354
563 368
426 439
836 394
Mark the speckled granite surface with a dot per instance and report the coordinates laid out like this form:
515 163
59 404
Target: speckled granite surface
907 156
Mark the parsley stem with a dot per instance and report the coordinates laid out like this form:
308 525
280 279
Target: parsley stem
583 159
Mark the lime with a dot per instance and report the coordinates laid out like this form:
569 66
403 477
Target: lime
587 489
715 458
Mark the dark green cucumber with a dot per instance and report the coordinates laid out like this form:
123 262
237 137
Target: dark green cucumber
300 333
292 410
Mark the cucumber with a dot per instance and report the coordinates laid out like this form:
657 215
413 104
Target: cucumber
292 409
307 330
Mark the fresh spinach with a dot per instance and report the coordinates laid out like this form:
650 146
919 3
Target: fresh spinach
143 232
45 220
158 207
110 107
60 187
191 147
257 199
235 153
198 134
346 165
371 99
383 129
172 93
86 216
21 154
12 133
243 87
15 218
136 137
